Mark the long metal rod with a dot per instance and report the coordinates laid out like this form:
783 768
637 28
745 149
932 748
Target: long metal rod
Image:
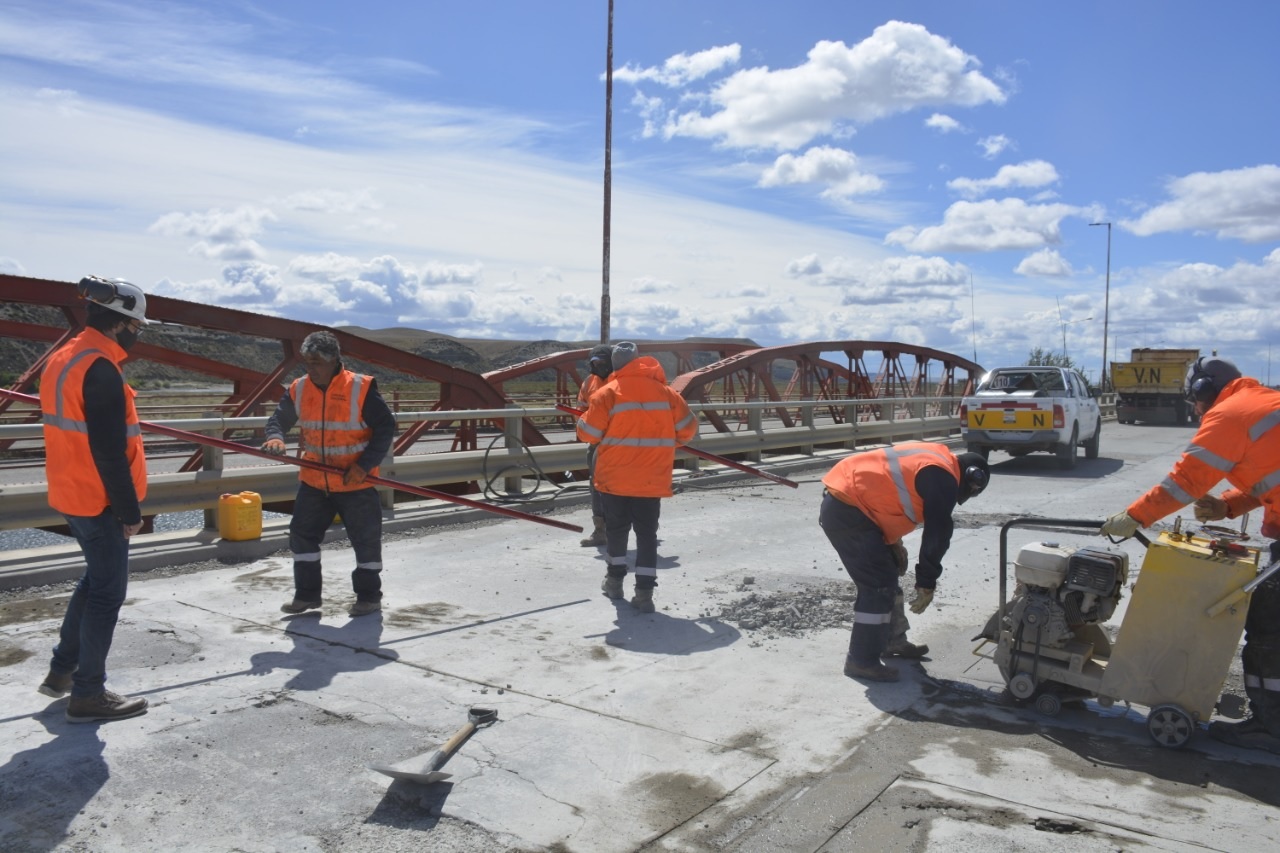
710 457
328 469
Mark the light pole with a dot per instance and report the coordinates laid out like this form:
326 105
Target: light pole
1105 378
1064 334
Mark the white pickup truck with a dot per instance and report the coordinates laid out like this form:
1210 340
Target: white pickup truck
1021 410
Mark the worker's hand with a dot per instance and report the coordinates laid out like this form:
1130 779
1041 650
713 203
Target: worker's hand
274 446
900 554
1121 526
130 529
1210 508
921 600
354 475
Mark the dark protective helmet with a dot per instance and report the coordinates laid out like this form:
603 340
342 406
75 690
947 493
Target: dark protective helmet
1207 377
116 295
974 475
600 361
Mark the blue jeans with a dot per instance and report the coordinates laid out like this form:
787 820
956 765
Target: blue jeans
90 621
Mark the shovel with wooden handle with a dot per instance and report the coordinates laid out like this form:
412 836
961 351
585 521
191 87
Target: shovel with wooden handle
425 768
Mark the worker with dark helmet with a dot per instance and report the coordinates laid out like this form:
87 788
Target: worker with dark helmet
599 367
97 475
1239 441
870 502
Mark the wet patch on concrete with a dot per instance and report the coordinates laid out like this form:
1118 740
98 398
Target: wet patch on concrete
33 610
670 793
11 654
599 653
150 644
749 741
269 578
430 613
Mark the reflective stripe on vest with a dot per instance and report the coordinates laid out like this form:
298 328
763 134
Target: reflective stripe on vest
900 482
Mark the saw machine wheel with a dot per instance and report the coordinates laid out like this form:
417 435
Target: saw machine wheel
1170 726
1022 686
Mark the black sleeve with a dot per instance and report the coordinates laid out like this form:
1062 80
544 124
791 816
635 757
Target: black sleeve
104 413
283 418
939 490
377 414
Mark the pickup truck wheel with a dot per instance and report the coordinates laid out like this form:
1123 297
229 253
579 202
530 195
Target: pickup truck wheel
1067 452
984 452
1091 446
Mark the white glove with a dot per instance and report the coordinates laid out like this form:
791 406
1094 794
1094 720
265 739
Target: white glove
1210 508
921 600
1121 526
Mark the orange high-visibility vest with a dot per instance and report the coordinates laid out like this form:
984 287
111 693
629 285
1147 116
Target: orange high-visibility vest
1239 441
637 422
75 487
332 427
882 483
589 386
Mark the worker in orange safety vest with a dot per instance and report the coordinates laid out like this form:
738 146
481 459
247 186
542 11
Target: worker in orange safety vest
600 365
872 500
637 422
1239 441
97 476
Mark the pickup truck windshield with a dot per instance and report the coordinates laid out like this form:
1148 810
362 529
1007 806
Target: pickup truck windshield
1023 380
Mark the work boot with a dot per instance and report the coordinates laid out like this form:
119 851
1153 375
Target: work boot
904 648
104 707
55 684
300 605
364 608
612 587
1247 734
875 672
597 536
643 600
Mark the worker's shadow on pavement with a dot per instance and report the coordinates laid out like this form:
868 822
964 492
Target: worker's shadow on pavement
321 651
44 788
660 634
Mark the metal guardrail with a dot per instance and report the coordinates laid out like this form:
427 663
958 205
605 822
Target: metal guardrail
26 505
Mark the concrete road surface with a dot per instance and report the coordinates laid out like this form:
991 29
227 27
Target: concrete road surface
722 722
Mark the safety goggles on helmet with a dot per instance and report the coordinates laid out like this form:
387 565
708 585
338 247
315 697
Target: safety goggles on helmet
116 295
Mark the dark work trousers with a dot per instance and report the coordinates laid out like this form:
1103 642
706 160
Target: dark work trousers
313 514
870 562
1261 655
597 503
621 516
90 621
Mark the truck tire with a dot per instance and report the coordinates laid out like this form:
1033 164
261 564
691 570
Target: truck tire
1066 453
984 452
1091 444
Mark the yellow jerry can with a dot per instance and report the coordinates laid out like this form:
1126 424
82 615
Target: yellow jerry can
240 516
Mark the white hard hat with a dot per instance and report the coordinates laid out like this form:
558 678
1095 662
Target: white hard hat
115 294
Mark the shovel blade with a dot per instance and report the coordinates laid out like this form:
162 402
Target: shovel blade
412 770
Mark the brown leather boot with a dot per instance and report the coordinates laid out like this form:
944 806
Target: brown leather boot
597 536
104 707
874 672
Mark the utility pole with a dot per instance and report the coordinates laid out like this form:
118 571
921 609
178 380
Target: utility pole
608 182
1105 379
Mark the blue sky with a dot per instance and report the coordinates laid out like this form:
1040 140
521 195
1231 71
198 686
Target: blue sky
922 172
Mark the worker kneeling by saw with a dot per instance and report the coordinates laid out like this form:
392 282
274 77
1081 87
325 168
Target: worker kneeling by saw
871 501
1238 439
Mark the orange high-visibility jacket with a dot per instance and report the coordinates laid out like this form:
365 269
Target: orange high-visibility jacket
1238 440
332 426
882 483
637 422
589 386
75 488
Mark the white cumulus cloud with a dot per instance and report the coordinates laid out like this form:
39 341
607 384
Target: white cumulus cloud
1242 204
1031 173
987 226
1046 262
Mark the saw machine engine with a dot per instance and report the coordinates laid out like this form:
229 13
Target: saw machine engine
1062 598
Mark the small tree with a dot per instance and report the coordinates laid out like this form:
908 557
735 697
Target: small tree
1041 357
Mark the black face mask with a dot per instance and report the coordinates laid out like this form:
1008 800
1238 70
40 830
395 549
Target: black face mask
126 338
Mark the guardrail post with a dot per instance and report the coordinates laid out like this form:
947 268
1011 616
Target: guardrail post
806 420
755 423
212 457
511 438
851 418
